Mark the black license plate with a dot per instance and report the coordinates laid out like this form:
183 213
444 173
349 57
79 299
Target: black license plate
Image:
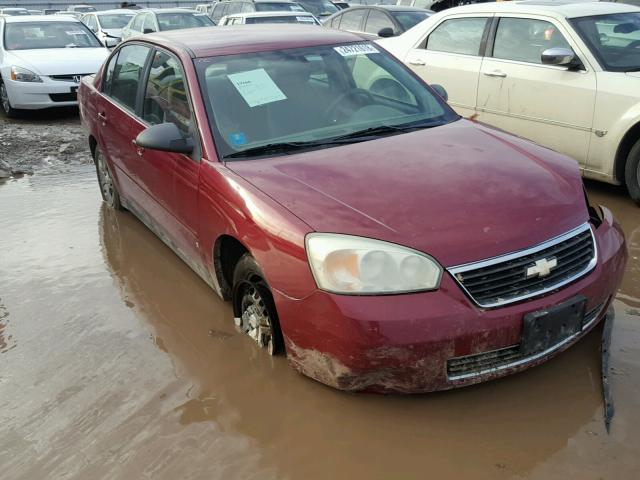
545 328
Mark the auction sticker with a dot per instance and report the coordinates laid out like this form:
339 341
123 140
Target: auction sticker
356 49
256 87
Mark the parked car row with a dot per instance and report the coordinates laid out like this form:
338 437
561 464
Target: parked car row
354 220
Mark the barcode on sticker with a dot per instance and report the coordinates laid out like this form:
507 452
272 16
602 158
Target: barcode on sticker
357 49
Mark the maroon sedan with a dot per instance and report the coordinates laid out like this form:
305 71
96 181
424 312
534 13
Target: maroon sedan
355 222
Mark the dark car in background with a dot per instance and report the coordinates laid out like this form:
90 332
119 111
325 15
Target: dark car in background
377 20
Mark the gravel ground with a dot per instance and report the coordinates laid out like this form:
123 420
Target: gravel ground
60 143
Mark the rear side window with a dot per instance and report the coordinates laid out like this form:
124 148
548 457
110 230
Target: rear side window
460 35
166 98
352 21
524 39
219 11
126 75
376 21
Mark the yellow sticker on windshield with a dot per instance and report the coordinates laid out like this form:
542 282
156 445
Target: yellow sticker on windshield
256 87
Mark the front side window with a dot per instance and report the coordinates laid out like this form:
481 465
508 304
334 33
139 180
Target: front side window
176 21
614 39
459 35
524 39
312 97
166 98
126 75
39 35
376 21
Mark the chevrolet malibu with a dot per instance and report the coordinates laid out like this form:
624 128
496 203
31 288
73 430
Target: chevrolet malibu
42 60
355 222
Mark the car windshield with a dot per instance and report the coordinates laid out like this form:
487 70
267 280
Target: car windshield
283 19
614 39
179 20
320 8
312 97
39 35
115 20
409 19
278 7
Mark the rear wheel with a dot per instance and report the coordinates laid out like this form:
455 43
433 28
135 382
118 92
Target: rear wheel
108 187
632 173
5 102
253 306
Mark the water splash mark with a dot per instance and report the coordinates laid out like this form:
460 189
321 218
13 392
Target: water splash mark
5 340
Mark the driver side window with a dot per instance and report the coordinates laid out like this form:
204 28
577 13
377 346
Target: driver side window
524 39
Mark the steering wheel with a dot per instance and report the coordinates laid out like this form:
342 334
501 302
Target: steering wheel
331 112
634 44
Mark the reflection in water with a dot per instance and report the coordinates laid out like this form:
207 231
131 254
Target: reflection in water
495 430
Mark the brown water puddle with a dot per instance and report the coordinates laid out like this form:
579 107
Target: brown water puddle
126 365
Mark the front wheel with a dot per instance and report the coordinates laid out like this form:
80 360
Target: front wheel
5 102
253 306
108 187
632 173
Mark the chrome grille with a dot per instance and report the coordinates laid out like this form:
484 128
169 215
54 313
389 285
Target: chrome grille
493 361
67 78
511 278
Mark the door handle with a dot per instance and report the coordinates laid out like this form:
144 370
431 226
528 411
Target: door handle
417 62
495 73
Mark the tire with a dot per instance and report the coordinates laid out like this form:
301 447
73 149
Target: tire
632 173
108 188
5 103
253 306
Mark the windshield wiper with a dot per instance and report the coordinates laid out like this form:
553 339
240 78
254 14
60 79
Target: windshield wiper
353 137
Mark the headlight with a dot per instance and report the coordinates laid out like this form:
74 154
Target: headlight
20 74
357 265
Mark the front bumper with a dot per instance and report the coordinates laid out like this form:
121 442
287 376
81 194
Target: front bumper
408 343
38 95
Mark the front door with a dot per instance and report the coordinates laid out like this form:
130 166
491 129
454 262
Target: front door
551 105
451 56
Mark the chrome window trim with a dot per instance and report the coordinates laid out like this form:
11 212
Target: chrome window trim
531 358
514 255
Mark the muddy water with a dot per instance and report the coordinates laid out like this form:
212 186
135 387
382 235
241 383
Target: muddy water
116 361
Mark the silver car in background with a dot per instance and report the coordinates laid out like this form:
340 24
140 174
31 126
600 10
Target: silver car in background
108 24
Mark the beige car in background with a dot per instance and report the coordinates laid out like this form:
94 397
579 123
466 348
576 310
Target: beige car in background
564 74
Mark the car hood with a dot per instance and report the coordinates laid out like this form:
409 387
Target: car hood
461 192
60 61
113 32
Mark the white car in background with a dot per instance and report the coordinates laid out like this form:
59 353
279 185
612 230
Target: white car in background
79 10
108 24
269 17
153 20
10 12
42 59
563 74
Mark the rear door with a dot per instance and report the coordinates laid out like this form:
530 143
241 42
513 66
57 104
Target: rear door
550 105
450 55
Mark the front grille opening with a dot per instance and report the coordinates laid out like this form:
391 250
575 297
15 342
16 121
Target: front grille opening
63 97
487 362
506 281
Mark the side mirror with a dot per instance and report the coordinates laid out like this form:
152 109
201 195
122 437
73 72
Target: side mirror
439 89
148 30
386 32
165 137
562 57
110 42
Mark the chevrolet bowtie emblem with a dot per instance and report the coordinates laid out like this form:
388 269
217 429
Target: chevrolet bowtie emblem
542 268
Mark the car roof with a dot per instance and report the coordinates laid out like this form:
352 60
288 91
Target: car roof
272 14
557 8
114 12
392 8
229 40
41 18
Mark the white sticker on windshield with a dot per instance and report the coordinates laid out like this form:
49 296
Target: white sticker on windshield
357 49
256 87
305 19
76 32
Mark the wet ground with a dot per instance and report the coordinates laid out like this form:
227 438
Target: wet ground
116 361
